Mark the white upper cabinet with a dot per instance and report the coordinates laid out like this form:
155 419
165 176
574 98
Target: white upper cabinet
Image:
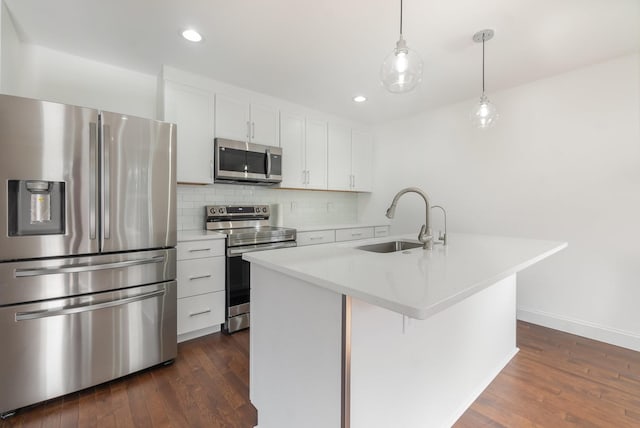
350 159
316 153
304 152
361 161
264 124
192 110
232 118
238 119
293 150
339 167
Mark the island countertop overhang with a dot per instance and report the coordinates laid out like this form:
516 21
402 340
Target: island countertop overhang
417 283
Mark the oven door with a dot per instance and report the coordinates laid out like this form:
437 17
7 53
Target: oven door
238 284
240 161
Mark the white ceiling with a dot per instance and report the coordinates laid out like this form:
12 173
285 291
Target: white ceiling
320 53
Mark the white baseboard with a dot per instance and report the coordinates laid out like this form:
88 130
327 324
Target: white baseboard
582 328
481 387
198 333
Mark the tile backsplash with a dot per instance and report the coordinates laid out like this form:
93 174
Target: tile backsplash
297 207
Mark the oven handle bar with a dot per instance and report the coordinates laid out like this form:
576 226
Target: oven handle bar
83 267
87 307
238 251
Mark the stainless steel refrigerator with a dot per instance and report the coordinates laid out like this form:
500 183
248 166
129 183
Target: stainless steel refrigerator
87 257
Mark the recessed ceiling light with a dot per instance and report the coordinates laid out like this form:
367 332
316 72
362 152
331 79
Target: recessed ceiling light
359 98
192 35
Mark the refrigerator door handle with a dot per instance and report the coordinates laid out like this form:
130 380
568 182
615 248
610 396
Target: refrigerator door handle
84 267
86 307
93 179
106 182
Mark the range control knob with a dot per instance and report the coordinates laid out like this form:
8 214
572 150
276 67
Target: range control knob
220 210
212 210
264 209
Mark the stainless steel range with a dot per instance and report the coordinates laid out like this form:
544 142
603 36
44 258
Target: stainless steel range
248 229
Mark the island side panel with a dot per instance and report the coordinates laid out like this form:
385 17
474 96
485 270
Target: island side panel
428 375
295 352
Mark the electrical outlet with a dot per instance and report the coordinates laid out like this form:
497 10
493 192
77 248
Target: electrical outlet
294 206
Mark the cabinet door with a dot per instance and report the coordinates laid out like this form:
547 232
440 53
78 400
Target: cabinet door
192 110
339 158
316 154
361 161
354 234
232 118
293 150
264 125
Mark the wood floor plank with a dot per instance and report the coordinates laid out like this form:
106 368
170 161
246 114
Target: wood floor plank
557 380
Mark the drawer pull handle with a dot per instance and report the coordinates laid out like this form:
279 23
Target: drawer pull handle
356 234
191 278
195 250
193 314
315 238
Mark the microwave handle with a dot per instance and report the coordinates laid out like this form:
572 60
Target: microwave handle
268 163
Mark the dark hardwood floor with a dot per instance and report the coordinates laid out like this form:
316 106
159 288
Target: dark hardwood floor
556 380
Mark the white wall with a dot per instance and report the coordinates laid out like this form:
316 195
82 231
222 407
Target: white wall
10 49
563 163
38 72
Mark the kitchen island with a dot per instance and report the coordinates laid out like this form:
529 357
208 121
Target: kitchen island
343 337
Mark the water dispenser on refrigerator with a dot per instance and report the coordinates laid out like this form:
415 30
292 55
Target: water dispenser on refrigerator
36 207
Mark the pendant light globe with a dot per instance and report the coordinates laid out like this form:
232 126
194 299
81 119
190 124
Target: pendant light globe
401 70
483 114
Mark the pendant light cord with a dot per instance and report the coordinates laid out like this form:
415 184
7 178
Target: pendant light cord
483 65
400 18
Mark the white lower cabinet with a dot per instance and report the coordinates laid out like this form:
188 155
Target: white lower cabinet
354 234
201 296
380 231
315 237
200 312
326 236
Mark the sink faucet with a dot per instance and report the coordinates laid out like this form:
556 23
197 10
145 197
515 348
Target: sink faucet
425 236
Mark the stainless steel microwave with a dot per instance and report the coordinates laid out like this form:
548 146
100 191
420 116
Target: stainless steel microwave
240 162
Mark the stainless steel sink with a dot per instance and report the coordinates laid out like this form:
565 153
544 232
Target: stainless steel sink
390 246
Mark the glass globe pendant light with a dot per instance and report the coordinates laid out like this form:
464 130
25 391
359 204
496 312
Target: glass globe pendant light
401 70
484 114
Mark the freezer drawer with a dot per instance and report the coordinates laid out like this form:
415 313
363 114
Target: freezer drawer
45 279
56 347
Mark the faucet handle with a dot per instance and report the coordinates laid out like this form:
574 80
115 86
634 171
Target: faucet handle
423 232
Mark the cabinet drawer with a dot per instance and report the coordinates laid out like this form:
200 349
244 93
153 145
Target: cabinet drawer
380 231
353 234
315 237
200 249
199 276
205 310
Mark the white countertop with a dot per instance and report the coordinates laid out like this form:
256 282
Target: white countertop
199 235
416 283
305 228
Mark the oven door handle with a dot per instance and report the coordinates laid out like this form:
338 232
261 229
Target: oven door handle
238 251
86 307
